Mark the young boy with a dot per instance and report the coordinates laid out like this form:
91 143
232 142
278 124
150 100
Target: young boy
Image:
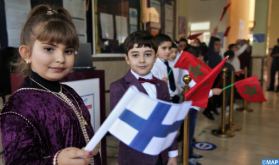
162 69
140 48
173 53
193 110
237 51
213 56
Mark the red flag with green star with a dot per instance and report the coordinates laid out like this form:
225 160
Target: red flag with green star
199 93
250 89
197 69
224 11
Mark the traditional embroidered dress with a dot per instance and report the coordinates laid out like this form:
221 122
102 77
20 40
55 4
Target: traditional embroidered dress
36 124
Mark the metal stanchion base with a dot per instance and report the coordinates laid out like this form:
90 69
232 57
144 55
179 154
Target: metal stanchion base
244 109
233 127
219 133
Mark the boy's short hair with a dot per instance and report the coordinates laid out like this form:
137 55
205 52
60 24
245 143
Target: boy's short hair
174 45
231 46
194 51
216 39
142 38
229 53
162 38
183 40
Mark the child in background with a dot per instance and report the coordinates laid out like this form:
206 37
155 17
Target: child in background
173 53
214 57
162 69
141 48
45 122
193 110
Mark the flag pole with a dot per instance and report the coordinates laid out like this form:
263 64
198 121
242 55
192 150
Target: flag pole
222 132
245 108
185 151
228 86
169 72
231 126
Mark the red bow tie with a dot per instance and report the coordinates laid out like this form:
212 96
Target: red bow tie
143 80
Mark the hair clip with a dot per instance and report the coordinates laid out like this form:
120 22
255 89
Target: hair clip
50 12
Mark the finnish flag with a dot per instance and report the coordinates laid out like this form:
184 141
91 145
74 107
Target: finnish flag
145 124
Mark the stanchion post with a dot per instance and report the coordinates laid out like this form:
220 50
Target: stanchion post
222 132
186 80
231 126
245 108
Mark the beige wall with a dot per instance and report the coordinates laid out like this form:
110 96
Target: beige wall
274 24
114 70
239 9
211 10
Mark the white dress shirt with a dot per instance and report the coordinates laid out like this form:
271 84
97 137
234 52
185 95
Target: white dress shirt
235 62
192 83
160 71
152 92
149 87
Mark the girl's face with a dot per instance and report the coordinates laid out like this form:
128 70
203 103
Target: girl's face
51 61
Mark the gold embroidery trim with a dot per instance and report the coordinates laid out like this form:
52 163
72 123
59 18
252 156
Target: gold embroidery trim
84 132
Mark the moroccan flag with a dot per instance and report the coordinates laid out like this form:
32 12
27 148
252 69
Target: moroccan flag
199 93
193 36
197 69
250 89
224 11
227 31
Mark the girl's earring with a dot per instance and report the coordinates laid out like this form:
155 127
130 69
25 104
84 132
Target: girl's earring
27 62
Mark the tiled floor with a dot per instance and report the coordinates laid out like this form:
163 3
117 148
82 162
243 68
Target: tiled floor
257 140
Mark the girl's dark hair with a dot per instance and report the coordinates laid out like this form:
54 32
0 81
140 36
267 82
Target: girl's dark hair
142 38
46 23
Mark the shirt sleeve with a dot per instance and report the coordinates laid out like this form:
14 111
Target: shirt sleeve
173 153
241 50
210 93
21 143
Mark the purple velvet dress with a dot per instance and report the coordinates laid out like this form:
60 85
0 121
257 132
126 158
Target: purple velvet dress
35 125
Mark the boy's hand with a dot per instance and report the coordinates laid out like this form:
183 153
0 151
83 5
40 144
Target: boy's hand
166 80
180 36
217 91
172 161
215 30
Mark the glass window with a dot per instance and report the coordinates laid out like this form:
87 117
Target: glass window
116 19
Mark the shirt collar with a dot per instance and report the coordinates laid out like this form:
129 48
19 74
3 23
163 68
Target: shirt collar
148 76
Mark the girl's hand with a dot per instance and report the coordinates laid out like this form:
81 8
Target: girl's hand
72 156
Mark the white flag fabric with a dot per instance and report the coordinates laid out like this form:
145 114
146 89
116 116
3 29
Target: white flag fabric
145 124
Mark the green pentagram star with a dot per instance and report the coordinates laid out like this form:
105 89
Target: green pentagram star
192 94
251 91
196 71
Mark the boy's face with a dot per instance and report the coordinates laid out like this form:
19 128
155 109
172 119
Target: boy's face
217 46
164 50
173 54
141 59
181 46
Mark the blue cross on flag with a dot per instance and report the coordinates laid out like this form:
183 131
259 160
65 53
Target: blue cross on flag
145 124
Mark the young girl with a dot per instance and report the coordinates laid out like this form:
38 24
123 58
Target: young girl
45 122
